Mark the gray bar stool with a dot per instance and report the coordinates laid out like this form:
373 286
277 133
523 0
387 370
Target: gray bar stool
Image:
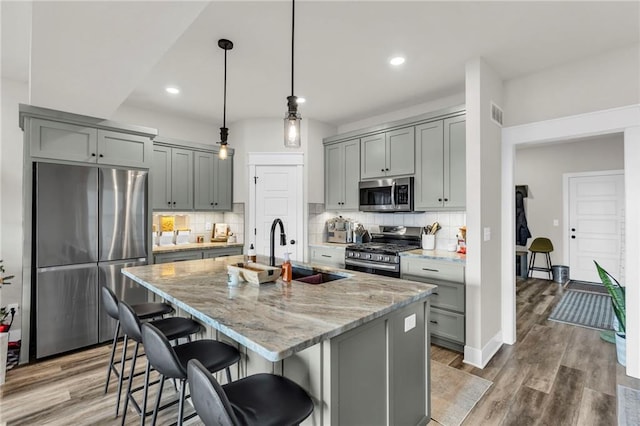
171 328
261 399
171 362
142 311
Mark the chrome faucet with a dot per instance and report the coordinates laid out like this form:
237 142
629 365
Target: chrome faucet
283 240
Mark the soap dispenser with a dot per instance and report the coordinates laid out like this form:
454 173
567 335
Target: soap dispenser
287 272
252 254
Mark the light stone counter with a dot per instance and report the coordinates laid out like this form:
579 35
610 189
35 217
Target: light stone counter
450 256
192 246
331 245
277 320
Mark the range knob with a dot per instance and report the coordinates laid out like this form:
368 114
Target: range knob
368 256
357 254
386 259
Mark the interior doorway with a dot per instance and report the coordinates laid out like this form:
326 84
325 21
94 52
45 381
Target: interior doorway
276 192
594 204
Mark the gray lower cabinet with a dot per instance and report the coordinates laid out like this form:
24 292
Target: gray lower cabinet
342 174
440 178
196 254
70 142
391 353
172 178
447 320
326 255
388 154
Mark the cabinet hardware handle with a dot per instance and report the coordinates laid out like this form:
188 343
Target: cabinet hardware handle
93 154
573 237
436 293
573 229
386 170
446 199
325 255
382 170
101 155
431 270
215 204
440 199
433 322
174 203
292 241
169 202
211 203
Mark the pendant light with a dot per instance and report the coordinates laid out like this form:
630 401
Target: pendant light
292 117
224 132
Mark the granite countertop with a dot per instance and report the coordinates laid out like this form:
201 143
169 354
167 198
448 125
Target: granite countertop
277 319
192 246
449 256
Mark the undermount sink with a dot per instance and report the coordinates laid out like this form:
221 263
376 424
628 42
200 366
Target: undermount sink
313 275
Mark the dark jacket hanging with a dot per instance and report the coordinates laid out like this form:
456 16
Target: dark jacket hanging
522 230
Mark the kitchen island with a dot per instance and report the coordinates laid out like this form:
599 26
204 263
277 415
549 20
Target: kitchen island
359 344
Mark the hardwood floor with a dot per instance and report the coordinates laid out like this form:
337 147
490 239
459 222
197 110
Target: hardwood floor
557 374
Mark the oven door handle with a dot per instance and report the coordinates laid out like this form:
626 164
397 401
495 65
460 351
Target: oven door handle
371 265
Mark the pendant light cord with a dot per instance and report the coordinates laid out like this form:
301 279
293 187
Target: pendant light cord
224 105
293 26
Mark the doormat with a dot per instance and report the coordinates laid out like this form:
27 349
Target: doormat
589 310
586 286
628 406
454 393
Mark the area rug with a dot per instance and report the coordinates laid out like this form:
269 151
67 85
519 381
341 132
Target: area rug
454 393
628 406
586 286
585 309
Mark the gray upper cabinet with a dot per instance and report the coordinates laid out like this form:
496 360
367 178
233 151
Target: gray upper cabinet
64 141
223 183
213 182
388 154
172 180
440 178
342 174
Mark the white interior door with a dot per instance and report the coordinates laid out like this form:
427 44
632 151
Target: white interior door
277 195
596 224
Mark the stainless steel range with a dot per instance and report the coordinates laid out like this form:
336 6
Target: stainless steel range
382 255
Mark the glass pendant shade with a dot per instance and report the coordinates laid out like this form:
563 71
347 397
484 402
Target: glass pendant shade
292 130
222 154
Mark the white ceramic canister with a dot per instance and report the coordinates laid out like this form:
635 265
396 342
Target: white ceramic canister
428 241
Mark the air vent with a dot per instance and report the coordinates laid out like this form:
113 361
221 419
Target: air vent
496 114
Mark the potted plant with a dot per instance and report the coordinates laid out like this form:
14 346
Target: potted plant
617 293
4 279
4 313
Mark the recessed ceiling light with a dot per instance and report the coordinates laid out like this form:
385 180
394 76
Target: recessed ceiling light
398 60
172 90
301 100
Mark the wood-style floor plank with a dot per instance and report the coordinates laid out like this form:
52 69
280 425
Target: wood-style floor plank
565 398
597 409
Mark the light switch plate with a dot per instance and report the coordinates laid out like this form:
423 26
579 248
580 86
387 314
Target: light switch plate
487 234
556 222
208 226
410 322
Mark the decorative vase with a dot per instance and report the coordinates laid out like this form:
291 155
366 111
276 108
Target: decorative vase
4 328
621 348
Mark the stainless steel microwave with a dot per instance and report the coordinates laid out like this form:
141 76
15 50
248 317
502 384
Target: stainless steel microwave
386 195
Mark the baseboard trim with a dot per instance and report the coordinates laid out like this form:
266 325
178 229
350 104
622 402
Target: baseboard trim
480 357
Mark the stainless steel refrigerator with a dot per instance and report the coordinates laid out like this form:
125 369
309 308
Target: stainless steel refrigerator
90 222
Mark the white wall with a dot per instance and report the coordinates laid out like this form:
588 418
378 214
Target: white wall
596 83
483 272
11 148
541 167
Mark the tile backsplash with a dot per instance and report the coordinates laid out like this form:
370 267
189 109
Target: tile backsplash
197 221
449 221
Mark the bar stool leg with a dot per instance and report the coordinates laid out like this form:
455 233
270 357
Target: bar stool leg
183 385
549 266
157 406
532 262
111 367
130 381
124 357
145 394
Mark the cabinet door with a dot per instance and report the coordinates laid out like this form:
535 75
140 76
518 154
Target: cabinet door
121 149
351 199
223 184
204 181
180 256
181 179
329 256
334 176
429 165
400 152
62 141
161 178
455 162
221 252
373 156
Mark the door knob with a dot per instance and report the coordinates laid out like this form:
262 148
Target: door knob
573 229
292 241
573 237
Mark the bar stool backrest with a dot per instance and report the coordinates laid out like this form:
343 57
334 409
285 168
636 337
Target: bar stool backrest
130 322
210 401
160 353
110 303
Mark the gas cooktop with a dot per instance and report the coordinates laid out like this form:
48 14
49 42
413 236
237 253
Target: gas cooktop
386 248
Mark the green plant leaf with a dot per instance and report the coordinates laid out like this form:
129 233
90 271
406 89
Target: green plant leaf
617 293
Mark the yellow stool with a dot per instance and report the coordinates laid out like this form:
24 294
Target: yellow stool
540 245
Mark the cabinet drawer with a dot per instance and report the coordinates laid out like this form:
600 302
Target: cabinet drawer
432 269
328 256
221 252
177 256
448 325
448 295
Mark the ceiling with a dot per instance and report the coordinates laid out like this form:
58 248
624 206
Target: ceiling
92 57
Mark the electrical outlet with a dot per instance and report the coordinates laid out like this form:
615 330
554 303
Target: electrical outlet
208 226
14 306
